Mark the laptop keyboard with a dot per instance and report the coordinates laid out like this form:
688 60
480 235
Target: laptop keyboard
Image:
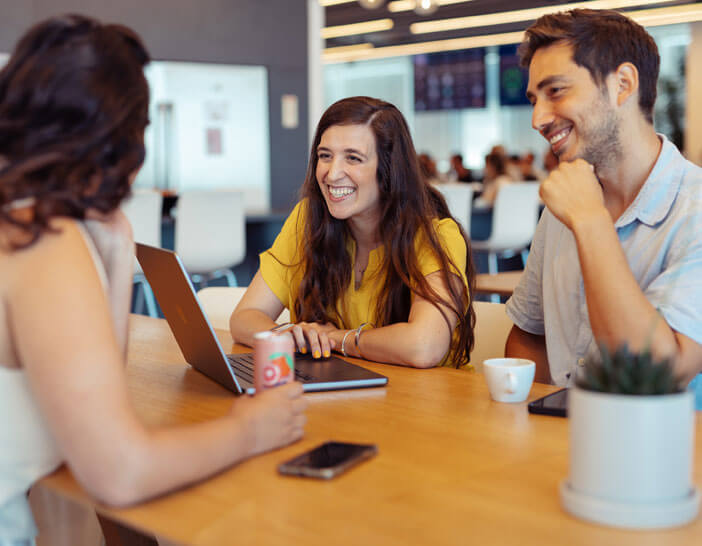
243 365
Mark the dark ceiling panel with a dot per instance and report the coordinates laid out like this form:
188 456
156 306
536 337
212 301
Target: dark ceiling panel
353 12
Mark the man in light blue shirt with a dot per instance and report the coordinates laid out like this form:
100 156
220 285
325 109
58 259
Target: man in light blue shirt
617 255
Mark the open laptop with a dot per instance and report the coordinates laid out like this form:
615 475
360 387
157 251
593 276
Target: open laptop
200 346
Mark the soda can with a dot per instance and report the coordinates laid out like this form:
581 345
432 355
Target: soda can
274 359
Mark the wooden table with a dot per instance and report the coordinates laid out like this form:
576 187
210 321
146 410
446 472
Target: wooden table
498 283
453 466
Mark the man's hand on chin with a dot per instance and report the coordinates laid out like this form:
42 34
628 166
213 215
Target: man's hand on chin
573 193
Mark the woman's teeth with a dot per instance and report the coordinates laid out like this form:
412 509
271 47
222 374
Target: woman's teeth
340 192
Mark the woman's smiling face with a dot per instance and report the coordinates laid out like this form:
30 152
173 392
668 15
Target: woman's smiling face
347 165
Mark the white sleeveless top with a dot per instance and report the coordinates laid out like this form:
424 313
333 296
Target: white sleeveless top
27 448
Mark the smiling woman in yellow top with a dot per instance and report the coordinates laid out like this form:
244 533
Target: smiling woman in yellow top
370 262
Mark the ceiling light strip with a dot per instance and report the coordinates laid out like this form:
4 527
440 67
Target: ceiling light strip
686 13
668 16
346 49
378 25
425 47
408 5
505 17
325 3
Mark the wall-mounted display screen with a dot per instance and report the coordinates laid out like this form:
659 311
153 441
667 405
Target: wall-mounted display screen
451 80
513 78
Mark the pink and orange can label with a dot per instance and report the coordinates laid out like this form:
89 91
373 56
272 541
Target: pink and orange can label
274 359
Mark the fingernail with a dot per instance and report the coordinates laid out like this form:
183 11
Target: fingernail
303 350
317 354
327 354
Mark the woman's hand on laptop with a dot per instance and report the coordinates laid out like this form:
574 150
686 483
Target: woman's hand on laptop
272 418
315 337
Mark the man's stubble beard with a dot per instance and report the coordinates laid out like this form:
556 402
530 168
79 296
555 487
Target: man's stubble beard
603 149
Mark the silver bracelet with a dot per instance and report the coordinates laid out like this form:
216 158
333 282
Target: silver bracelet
343 343
357 339
282 327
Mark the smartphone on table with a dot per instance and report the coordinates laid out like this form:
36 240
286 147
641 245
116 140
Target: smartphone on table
327 460
555 403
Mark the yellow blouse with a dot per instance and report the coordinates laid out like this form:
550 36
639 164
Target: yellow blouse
282 268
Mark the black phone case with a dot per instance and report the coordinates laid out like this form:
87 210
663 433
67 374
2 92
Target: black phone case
291 468
538 407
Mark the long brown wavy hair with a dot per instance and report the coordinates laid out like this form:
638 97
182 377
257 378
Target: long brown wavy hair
409 204
73 108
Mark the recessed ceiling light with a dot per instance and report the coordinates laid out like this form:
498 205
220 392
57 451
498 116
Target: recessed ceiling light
365 27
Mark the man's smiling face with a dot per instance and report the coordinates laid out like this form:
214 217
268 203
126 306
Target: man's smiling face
571 111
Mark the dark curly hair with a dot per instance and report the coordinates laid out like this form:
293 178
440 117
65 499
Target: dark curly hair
601 40
73 108
408 206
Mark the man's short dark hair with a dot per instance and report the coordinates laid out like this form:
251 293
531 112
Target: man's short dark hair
602 40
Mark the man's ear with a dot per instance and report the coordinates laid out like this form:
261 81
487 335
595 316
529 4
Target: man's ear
625 82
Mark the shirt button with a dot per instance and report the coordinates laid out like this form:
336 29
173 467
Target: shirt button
581 362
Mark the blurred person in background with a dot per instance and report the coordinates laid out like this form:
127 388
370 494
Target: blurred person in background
528 171
459 171
496 177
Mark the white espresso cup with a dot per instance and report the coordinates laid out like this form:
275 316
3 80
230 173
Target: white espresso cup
509 379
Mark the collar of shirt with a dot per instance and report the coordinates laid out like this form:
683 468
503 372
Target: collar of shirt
659 191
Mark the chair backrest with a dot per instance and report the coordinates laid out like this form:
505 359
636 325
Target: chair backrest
514 216
143 209
210 231
459 198
492 326
218 302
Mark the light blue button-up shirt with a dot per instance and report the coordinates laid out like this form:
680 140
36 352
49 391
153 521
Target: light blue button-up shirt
661 235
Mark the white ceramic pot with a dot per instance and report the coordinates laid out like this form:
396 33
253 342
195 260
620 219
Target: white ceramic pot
631 459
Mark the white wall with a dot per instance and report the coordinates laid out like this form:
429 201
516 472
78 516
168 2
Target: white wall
229 100
693 129
391 80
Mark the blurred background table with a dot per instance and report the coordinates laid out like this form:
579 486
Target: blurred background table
502 284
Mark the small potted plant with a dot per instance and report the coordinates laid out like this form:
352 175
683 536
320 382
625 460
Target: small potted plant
631 444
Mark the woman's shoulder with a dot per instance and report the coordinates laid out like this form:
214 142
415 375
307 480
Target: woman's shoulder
64 243
298 215
447 229
64 238
448 234
295 223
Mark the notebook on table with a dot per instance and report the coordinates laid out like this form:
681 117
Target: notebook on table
202 350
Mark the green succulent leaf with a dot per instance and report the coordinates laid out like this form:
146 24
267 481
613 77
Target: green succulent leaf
625 372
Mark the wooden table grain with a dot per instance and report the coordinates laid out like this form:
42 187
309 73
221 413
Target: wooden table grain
453 466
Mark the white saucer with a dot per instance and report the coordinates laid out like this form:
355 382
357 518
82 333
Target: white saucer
630 515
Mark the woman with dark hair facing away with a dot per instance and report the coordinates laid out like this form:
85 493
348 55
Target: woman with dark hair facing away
370 262
73 108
